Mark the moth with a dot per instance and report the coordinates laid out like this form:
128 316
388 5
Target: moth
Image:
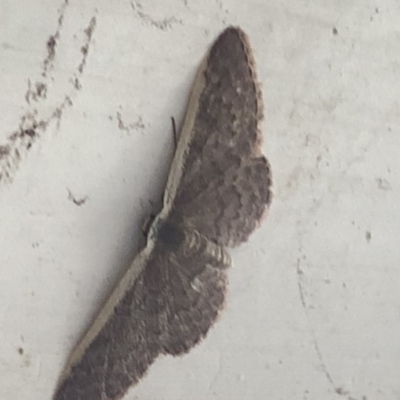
217 193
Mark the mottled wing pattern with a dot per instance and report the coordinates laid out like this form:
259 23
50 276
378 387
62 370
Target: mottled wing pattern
170 307
123 349
195 296
225 184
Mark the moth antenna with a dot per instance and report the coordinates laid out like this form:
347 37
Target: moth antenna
174 132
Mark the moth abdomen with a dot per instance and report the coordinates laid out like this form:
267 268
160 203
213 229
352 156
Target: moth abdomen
196 243
191 243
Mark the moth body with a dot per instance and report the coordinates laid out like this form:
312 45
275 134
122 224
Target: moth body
217 191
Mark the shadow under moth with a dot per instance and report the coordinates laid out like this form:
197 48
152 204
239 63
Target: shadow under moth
217 192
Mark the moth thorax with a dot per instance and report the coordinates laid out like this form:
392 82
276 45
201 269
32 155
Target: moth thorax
195 242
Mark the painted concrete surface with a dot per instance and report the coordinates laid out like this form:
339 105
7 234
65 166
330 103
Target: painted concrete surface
87 90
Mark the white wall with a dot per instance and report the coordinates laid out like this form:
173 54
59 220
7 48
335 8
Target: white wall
313 309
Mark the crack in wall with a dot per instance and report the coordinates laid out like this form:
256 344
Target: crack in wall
33 124
162 24
322 364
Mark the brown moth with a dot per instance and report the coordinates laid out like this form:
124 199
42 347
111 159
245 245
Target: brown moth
217 193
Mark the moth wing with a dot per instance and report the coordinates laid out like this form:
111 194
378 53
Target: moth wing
170 306
220 182
194 297
121 343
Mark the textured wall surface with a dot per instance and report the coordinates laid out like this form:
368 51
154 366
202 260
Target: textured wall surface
87 90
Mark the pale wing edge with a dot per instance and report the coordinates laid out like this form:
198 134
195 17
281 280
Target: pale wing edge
124 285
185 136
187 131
